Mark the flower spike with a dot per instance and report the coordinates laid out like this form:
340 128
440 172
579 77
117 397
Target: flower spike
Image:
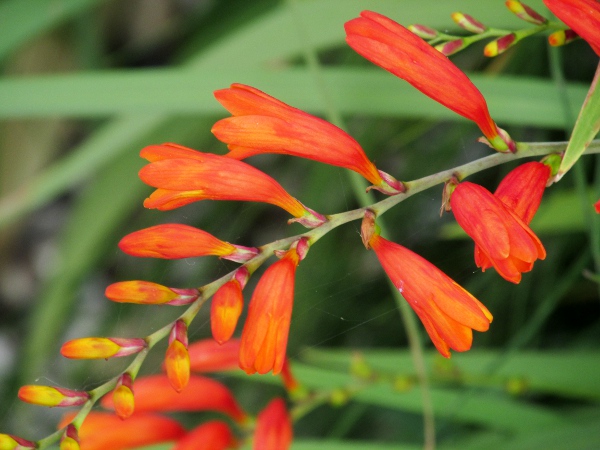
192 176
177 359
448 312
102 348
148 293
583 16
397 50
263 124
52 396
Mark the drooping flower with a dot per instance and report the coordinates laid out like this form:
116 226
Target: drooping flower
274 429
448 312
10 442
52 396
263 124
123 398
102 348
176 241
207 355
177 359
501 235
148 293
182 176
583 16
102 431
521 191
265 333
397 50
227 305
154 393
212 435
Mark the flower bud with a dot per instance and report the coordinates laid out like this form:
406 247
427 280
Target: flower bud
468 23
101 348
177 358
451 47
499 45
123 399
423 31
52 396
227 305
522 11
148 293
10 442
562 37
70 440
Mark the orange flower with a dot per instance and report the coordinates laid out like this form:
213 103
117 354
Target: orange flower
448 312
101 348
176 241
273 427
263 124
148 293
207 355
597 207
521 191
212 435
401 52
183 176
177 359
52 396
265 333
583 16
501 235
102 431
227 305
123 399
154 393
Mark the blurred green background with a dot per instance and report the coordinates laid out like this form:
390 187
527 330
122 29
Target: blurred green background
87 83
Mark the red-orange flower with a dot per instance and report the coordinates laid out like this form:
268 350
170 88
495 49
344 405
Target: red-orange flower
148 293
401 52
597 207
502 236
263 124
273 427
207 355
227 305
182 176
212 435
265 333
176 241
177 359
448 312
123 399
521 191
102 431
101 348
583 16
154 393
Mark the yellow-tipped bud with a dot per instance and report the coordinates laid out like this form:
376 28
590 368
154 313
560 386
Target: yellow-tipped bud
177 358
52 396
10 442
468 23
101 348
70 440
123 397
522 11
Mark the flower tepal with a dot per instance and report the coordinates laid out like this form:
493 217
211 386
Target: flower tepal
401 52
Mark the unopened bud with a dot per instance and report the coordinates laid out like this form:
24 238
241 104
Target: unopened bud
562 37
101 348
70 440
148 293
123 398
226 307
449 48
468 23
423 31
500 45
52 396
177 358
522 11
10 442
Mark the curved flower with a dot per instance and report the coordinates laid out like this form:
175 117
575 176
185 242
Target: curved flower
101 348
263 124
583 16
448 312
102 431
401 52
521 191
212 435
273 427
148 293
265 333
502 236
176 241
207 355
183 176
154 393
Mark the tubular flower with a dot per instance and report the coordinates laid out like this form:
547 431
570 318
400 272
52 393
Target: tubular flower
123 399
263 124
448 312
397 50
583 16
521 191
503 238
154 393
265 333
176 241
10 442
207 355
70 440
52 396
183 176
177 359
148 293
101 348
227 305
212 435
102 431
273 427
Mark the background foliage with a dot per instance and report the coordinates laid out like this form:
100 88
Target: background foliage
87 83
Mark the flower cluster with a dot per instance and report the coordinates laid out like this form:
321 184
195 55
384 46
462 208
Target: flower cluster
497 222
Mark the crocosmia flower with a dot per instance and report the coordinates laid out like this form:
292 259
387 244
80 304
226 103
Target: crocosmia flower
503 238
123 399
401 52
227 305
101 348
177 359
70 439
148 293
52 396
10 442
207 355
176 241
597 207
273 427
263 124
183 176
521 191
583 16
265 333
212 435
448 312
